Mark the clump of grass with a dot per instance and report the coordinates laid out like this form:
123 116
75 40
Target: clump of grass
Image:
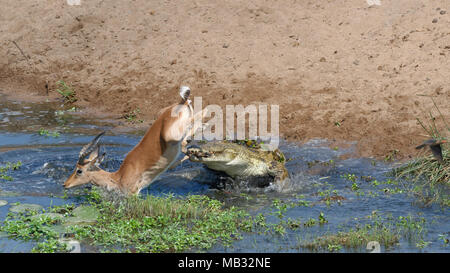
163 224
66 92
386 232
355 238
195 207
429 179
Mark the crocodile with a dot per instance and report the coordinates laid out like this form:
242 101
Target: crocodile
257 166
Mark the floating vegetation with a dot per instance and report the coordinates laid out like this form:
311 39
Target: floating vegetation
44 132
349 177
7 168
23 224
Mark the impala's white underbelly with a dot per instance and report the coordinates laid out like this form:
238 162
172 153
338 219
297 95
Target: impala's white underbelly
167 159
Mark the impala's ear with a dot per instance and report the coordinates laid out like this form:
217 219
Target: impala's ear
94 154
99 160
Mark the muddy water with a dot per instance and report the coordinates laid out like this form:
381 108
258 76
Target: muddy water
48 158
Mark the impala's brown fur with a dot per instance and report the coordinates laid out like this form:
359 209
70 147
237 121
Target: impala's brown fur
154 154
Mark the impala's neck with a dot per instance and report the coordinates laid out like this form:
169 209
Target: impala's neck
103 178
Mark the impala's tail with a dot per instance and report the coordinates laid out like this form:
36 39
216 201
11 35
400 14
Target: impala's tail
185 91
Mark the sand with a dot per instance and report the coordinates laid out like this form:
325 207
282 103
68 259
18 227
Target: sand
341 70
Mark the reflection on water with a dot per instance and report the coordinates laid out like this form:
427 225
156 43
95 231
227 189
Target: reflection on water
314 170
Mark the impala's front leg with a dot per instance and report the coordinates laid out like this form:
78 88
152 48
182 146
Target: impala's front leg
191 131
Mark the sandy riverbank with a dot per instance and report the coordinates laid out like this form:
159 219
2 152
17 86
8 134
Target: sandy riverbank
342 71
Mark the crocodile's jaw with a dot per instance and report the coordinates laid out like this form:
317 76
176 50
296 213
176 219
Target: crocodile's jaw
207 157
232 164
233 168
238 167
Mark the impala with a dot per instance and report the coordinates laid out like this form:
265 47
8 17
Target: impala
154 154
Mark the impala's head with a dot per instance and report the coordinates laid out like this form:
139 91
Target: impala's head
88 162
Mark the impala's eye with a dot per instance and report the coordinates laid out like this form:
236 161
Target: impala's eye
79 171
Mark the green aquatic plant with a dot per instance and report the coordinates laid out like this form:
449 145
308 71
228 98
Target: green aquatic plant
5 177
280 206
7 168
45 132
355 186
375 183
422 244
51 245
311 222
322 219
27 227
349 177
334 248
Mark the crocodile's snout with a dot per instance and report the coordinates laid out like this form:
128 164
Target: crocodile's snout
196 153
